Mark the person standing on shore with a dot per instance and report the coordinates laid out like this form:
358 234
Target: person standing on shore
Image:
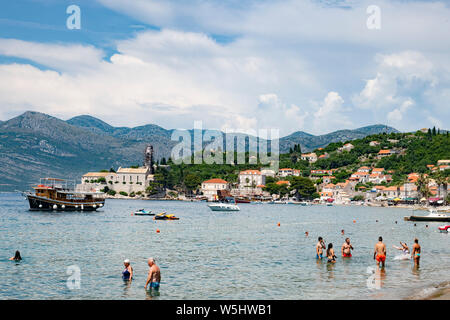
346 249
416 249
154 275
319 248
380 252
127 274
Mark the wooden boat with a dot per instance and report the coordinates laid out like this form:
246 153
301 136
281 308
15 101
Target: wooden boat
54 194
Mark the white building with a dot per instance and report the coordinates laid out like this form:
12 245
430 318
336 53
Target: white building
211 187
311 157
251 181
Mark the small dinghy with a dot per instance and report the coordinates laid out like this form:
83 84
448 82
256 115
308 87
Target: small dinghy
143 212
444 229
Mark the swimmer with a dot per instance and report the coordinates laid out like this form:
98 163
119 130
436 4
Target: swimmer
330 254
127 274
342 232
404 248
16 257
319 248
154 275
346 249
380 252
306 233
416 252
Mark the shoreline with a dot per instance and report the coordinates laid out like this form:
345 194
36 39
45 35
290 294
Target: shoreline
440 291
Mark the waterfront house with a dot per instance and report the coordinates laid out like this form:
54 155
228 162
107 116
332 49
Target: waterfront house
211 188
249 180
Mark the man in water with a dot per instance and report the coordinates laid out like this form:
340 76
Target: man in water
416 249
154 275
346 248
380 252
319 248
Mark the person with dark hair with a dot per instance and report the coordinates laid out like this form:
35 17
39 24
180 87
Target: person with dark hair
380 252
16 257
330 254
319 248
416 249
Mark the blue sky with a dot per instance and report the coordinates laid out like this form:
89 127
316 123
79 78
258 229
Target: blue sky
287 64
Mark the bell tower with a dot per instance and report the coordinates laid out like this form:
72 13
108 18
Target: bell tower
148 158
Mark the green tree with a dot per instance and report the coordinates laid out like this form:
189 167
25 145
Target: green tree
304 188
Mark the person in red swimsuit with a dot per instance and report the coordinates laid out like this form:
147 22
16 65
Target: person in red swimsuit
347 248
380 252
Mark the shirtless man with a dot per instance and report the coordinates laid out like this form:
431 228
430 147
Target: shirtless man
154 275
319 248
380 252
346 248
416 249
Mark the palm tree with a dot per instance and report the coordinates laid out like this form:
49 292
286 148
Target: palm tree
422 186
441 180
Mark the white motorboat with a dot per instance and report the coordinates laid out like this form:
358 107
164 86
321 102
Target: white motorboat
223 207
434 215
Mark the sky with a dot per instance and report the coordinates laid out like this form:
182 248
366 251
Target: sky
293 65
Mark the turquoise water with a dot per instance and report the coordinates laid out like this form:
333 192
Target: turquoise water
212 255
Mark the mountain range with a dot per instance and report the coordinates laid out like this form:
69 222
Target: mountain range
35 145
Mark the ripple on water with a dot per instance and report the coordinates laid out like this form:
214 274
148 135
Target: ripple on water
210 255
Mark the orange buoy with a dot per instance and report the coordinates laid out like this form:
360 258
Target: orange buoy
278 224
157 231
354 221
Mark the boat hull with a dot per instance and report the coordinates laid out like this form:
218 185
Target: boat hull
223 208
436 219
44 204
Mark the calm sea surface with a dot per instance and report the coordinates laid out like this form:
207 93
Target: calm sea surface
212 255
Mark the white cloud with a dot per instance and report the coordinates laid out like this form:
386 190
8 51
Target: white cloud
330 113
285 57
63 57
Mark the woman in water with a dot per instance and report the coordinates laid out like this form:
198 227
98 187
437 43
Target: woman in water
404 248
330 253
16 257
127 274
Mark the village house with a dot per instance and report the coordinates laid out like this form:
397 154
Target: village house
285 172
378 170
311 157
327 179
324 156
129 180
346 147
361 177
385 152
374 143
364 169
250 182
281 182
211 188
391 192
321 172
